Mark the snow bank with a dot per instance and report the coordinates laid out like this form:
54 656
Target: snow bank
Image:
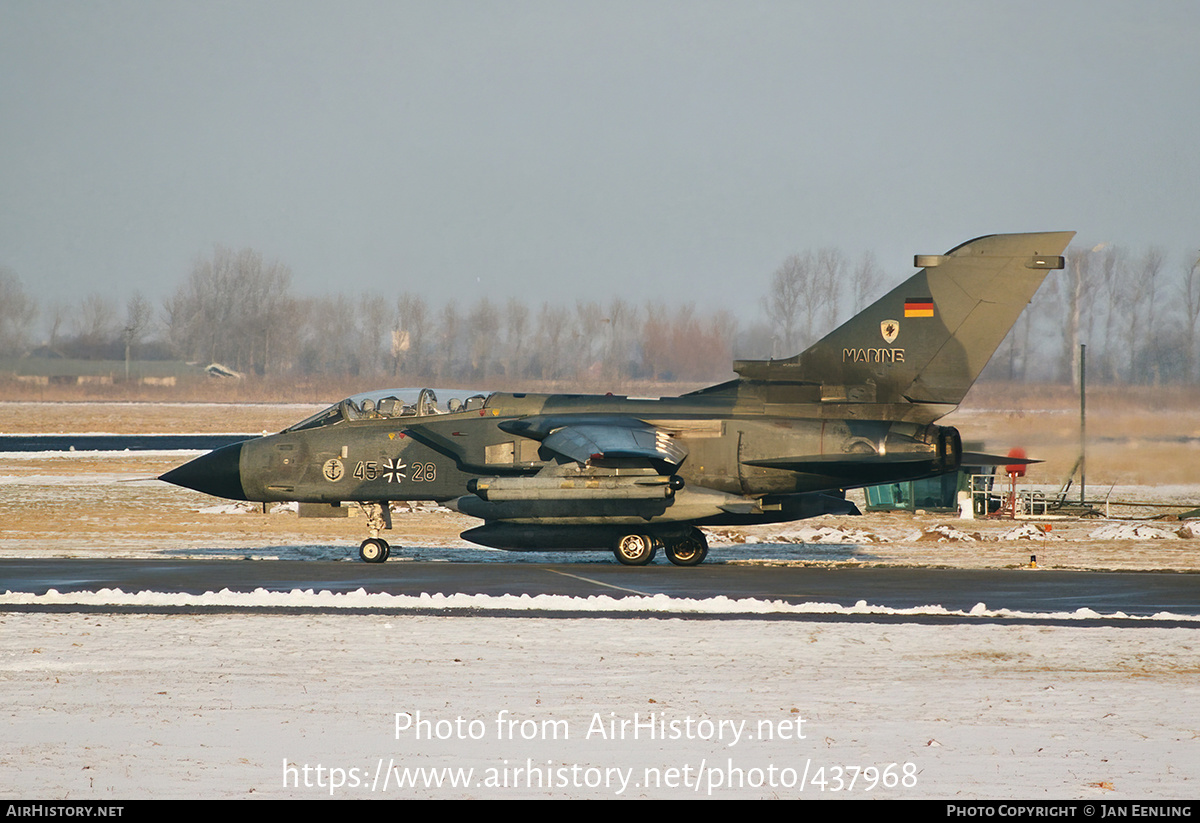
659 603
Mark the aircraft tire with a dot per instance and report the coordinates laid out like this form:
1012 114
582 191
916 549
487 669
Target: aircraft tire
635 549
374 550
689 550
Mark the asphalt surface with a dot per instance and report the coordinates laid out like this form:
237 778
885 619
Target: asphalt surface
1035 591
117 442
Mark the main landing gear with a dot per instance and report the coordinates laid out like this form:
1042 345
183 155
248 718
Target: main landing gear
687 549
636 549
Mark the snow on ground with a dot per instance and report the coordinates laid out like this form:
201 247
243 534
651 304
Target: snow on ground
138 516
117 706
482 603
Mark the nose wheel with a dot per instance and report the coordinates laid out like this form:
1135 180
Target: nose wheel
374 550
379 517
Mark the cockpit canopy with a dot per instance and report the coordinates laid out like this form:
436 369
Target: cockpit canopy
392 403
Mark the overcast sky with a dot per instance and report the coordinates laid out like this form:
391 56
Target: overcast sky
548 150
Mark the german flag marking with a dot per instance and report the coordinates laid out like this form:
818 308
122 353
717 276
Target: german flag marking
918 307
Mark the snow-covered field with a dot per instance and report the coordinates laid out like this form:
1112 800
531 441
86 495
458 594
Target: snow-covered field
114 705
120 706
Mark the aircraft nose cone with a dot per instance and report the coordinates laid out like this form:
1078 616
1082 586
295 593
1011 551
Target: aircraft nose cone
217 473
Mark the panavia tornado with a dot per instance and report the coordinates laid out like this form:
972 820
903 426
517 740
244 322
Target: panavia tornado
783 441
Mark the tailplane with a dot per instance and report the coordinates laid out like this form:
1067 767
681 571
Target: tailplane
927 340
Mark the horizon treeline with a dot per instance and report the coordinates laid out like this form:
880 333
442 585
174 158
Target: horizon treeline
1137 313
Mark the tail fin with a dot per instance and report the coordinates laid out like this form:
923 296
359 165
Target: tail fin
927 340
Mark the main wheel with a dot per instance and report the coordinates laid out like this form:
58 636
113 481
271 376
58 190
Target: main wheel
635 549
374 550
688 550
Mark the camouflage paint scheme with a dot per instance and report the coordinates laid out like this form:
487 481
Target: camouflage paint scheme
781 442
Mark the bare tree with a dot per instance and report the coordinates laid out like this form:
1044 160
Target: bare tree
57 315
1138 309
1086 286
483 332
373 322
17 311
409 338
620 349
516 328
1112 270
588 336
233 308
264 310
804 299
138 317
331 344
656 341
448 342
784 303
1190 300
551 335
865 281
96 327
825 292
236 308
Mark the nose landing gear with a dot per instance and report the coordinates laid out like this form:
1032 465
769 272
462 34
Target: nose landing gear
374 550
379 517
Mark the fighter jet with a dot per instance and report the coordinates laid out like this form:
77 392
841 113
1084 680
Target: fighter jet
783 441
